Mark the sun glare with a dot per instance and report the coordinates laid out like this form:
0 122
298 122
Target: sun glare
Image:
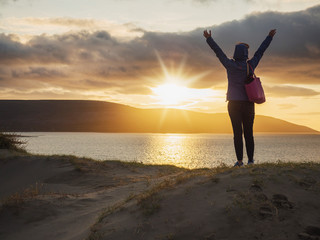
171 94
175 93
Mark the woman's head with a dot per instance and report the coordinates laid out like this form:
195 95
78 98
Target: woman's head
241 51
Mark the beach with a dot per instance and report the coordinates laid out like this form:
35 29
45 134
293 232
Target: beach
66 197
130 120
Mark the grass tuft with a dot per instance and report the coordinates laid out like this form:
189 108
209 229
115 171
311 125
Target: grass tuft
16 200
11 141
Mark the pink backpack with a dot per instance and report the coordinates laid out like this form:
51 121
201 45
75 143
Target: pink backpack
254 88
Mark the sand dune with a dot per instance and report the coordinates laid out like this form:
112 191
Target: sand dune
63 197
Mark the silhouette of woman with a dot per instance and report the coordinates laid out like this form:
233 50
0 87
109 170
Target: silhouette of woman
240 110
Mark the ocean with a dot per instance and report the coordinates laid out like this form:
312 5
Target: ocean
183 150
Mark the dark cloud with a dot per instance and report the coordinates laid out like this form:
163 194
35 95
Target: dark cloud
37 72
40 49
132 65
94 84
289 71
298 33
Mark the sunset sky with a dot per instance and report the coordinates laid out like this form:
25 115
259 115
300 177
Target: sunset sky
151 54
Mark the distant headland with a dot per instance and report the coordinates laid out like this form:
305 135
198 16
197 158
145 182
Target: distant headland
99 116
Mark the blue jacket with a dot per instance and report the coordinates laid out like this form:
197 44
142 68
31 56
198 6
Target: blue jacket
237 67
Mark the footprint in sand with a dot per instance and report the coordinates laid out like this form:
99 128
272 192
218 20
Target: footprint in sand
255 188
307 182
310 233
261 197
265 211
210 237
281 201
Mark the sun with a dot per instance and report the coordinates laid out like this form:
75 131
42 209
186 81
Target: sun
177 96
174 90
171 94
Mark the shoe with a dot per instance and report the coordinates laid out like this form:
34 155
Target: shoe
238 164
250 162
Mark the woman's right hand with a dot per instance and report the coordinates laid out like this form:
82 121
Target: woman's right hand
206 34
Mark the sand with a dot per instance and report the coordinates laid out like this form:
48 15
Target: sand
64 197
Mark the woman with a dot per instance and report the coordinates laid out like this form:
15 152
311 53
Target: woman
241 111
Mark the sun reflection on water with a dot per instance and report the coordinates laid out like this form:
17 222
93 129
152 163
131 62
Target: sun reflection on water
173 147
182 150
176 149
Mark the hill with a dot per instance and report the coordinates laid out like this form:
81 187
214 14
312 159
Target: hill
98 116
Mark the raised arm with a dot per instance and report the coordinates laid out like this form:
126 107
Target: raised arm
259 53
218 51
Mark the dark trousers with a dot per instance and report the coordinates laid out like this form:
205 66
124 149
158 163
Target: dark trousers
242 116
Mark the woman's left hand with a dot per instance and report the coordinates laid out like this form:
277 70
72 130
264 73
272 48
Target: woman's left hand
206 34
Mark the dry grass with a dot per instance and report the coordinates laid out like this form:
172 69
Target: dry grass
16 200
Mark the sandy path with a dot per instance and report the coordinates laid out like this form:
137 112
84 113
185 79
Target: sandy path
69 200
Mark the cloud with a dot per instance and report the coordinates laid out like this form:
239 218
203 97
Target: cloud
39 49
287 106
3 2
83 23
289 91
274 4
308 113
298 32
98 59
210 1
37 73
62 25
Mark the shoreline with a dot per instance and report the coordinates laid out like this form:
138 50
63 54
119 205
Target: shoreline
65 197
176 133
190 151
